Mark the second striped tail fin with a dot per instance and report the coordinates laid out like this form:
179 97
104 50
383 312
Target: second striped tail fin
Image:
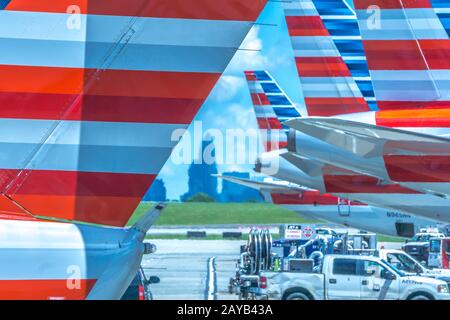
328 86
272 107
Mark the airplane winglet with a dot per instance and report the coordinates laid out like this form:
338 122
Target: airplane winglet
149 218
264 186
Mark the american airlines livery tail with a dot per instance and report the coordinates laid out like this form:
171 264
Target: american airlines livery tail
295 190
326 81
271 106
90 92
407 53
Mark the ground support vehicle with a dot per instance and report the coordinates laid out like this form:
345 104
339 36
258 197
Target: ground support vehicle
351 277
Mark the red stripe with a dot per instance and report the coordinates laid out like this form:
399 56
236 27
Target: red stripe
398 105
361 184
124 83
11 211
414 123
98 108
185 9
250 77
306 26
44 289
391 4
326 107
437 53
322 67
407 168
269 123
394 55
426 118
308 197
260 99
112 211
94 197
47 182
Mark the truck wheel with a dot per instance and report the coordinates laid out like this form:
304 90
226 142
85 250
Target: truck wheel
297 296
420 296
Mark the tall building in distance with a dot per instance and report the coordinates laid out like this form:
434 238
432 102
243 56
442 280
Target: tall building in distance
157 192
201 175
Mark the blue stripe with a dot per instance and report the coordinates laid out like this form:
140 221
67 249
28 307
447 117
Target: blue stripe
278 100
4 3
139 160
74 54
270 88
350 47
342 27
262 76
331 7
440 3
366 88
358 68
286 112
372 105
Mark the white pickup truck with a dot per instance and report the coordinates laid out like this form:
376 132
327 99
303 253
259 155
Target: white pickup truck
350 277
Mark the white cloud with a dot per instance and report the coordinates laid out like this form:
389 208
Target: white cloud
250 56
243 116
167 170
227 87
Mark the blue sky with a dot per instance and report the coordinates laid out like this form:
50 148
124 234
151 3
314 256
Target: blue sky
229 104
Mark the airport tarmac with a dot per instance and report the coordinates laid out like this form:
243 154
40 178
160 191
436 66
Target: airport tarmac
196 269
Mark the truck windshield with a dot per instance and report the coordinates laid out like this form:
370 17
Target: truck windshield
394 269
420 238
404 263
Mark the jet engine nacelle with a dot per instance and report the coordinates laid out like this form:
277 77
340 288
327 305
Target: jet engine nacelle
274 165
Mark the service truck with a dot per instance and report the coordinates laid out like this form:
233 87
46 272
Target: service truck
350 277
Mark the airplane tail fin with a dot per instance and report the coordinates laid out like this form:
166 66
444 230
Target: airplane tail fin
408 52
328 86
91 92
272 106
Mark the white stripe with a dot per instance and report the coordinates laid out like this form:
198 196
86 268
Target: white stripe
264 112
211 276
255 87
411 85
355 58
362 78
330 87
314 46
88 133
51 248
346 37
333 17
441 10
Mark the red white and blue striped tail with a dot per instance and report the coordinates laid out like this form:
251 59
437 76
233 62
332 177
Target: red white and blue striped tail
91 91
272 107
408 53
328 86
